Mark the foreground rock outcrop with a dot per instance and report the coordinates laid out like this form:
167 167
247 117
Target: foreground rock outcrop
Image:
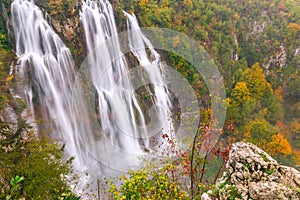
253 174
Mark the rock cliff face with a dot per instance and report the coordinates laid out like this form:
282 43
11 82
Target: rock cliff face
253 174
65 20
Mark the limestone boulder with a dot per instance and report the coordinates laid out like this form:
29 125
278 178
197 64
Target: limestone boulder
253 174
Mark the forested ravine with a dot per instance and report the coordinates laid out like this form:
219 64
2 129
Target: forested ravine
87 93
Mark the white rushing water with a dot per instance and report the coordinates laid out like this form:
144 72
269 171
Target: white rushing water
126 132
46 66
152 64
117 103
97 113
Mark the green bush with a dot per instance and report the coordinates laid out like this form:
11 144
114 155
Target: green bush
39 162
147 183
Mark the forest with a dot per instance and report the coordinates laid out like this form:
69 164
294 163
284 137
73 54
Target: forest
255 45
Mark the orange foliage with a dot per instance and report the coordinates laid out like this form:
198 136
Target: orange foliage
297 154
279 144
294 27
279 124
143 2
279 93
236 16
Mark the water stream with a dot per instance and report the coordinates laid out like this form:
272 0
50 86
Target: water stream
97 113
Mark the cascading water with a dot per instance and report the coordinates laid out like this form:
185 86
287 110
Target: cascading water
153 66
116 102
46 66
125 130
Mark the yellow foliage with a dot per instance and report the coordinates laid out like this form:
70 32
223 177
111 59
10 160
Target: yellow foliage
266 136
256 80
294 27
297 154
228 102
9 78
279 144
295 126
143 2
279 93
241 92
147 184
262 133
187 2
261 126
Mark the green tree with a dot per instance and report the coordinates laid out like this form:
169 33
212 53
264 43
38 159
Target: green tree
260 132
267 137
40 163
241 104
256 81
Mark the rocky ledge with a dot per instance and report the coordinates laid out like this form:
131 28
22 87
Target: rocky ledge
253 174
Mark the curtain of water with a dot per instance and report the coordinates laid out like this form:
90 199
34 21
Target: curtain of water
46 66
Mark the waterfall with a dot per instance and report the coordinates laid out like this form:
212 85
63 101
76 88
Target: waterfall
125 130
97 113
117 103
138 44
46 71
